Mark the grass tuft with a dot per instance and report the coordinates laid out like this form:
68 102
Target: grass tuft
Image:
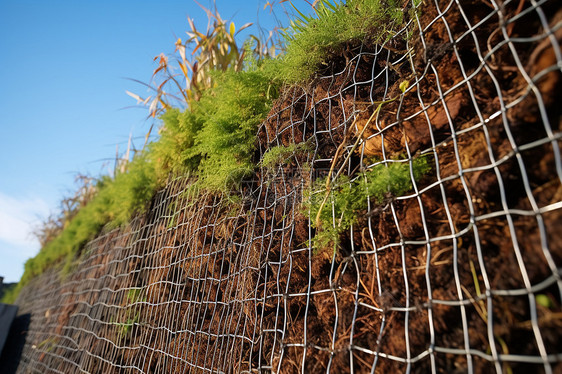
313 40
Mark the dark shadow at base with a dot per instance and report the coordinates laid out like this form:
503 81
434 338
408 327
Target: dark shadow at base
11 355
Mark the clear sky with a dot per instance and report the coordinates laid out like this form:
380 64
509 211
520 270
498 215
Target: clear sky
63 107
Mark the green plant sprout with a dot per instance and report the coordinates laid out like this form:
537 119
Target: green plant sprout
124 328
544 301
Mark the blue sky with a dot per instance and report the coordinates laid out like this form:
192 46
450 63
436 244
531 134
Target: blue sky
63 70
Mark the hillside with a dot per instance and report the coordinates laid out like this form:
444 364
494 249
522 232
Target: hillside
386 196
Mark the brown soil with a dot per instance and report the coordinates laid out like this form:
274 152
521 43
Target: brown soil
506 249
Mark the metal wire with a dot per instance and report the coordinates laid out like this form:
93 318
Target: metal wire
462 273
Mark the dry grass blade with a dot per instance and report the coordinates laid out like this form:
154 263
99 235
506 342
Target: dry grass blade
190 74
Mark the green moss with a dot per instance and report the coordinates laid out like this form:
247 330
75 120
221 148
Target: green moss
174 151
332 211
227 141
276 156
130 192
216 137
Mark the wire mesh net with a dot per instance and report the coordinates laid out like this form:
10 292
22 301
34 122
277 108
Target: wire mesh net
459 273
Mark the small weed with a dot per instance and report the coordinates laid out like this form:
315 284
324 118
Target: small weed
135 295
124 328
48 344
132 314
